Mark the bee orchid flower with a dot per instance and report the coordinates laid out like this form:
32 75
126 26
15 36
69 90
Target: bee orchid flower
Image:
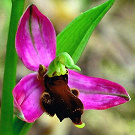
54 87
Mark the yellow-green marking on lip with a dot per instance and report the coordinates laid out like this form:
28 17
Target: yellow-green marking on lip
80 126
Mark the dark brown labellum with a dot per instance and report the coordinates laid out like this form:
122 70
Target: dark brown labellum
59 99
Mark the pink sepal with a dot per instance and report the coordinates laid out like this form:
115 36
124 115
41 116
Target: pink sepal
35 39
27 98
97 93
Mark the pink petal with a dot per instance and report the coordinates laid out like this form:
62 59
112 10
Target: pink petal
35 39
97 93
27 98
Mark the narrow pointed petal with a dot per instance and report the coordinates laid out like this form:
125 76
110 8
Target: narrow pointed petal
97 93
35 39
27 98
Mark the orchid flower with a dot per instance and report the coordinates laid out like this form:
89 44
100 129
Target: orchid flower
54 87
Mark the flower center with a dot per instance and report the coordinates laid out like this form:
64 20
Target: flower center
58 98
60 65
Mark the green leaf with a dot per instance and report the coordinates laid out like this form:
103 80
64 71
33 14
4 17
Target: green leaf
75 36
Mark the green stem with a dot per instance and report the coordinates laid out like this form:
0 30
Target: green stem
10 70
20 127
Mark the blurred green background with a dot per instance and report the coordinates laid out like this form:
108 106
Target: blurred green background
110 54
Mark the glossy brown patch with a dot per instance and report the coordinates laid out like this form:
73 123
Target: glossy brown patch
46 103
60 100
75 91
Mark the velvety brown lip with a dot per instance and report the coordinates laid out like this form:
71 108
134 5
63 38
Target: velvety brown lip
59 99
